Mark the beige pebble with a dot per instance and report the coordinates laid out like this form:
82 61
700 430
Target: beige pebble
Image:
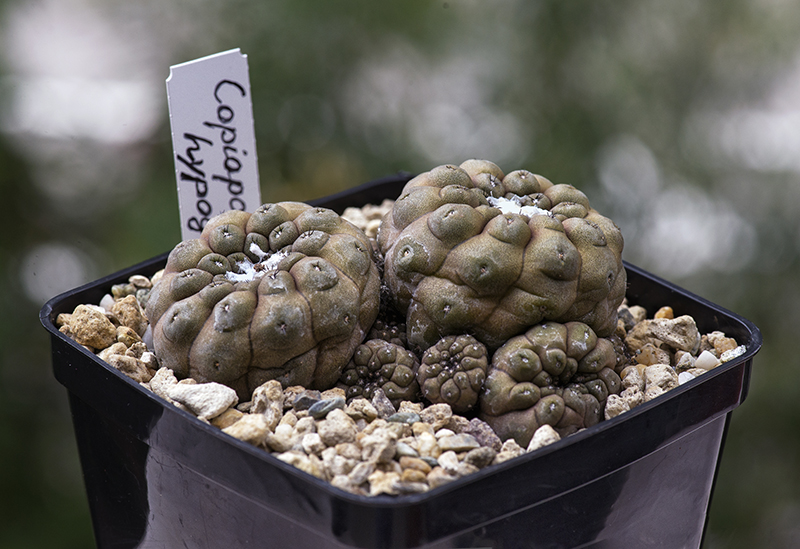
349 450
408 407
361 408
129 313
615 405
665 312
421 427
205 400
378 447
543 436
633 396
312 443
632 377
343 482
383 483
163 379
509 450
458 443
439 477
650 354
660 375
282 439
413 475
251 428
335 392
678 333
438 415
90 327
426 445
140 281
683 361
117 348
407 462
127 336
652 392
361 472
337 427
638 313
335 464
305 425
131 367
268 401
226 418
310 464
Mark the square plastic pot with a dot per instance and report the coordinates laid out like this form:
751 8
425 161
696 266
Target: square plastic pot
157 477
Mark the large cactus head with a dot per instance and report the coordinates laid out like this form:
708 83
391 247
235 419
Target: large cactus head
287 293
469 249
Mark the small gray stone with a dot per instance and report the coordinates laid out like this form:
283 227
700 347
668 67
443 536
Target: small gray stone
404 417
382 404
480 457
322 408
484 434
306 399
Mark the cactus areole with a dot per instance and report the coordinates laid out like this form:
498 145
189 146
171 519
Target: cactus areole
287 292
469 249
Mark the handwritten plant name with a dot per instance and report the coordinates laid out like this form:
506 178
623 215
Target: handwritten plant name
191 161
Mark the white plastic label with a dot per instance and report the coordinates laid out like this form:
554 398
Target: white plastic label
213 138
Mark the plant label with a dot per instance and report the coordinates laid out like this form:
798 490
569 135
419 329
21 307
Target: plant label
213 138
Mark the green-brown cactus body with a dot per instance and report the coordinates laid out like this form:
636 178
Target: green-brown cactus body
287 293
458 260
555 374
453 372
379 364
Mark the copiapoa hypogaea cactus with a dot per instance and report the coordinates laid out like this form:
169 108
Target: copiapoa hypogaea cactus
380 364
453 371
287 293
554 374
469 249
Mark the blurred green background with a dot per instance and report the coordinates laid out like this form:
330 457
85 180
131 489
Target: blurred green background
680 120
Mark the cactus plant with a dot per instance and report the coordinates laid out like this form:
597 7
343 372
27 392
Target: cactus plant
469 249
554 374
287 293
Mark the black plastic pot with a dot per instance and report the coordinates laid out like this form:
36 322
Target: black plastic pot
157 477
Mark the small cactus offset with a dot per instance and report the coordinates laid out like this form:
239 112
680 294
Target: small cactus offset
469 249
287 292
554 374
453 371
379 364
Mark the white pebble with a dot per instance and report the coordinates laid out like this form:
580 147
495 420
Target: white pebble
684 377
706 361
107 302
543 436
733 353
205 400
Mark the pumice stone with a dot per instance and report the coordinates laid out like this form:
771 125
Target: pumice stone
286 293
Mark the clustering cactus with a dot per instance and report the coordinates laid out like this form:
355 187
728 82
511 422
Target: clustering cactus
470 258
379 364
469 249
554 374
287 292
453 372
